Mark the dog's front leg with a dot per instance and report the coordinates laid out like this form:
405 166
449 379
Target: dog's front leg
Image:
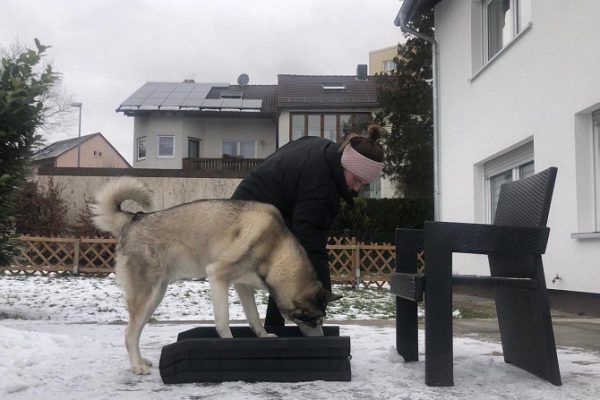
219 291
246 295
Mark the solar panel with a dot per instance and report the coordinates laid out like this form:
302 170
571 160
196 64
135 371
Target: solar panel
232 103
168 95
212 103
252 103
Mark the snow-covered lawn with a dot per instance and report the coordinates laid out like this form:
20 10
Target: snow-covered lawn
62 338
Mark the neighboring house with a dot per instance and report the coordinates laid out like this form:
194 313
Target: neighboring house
519 91
382 60
188 120
188 125
93 151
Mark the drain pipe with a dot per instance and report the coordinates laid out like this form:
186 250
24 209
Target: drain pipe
401 21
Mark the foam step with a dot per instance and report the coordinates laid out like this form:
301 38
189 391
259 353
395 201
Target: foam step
200 355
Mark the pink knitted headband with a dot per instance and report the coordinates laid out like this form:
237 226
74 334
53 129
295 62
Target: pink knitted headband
363 167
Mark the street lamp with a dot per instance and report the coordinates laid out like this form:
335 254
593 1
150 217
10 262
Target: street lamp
78 105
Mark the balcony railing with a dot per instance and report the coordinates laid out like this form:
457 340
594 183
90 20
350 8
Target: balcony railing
235 165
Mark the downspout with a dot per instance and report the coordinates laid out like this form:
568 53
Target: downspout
401 21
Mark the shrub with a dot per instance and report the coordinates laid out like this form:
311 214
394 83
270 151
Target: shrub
375 220
41 211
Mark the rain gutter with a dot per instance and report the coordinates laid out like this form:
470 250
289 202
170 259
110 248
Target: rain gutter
406 13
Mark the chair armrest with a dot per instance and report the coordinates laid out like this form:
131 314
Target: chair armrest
486 238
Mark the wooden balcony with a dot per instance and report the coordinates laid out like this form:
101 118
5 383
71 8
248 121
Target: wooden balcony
229 166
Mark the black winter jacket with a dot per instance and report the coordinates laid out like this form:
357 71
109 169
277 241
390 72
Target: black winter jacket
305 181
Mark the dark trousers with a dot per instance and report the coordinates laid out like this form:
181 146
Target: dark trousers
274 317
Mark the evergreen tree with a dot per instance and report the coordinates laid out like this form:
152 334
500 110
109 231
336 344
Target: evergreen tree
405 98
23 87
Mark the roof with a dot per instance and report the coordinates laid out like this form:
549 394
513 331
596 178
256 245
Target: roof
57 148
189 96
318 91
410 8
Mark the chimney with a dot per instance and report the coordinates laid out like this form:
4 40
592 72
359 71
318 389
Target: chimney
361 72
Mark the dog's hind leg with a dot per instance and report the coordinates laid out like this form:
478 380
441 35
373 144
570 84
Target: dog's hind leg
140 307
246 295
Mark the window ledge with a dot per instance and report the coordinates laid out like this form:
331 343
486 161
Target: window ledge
585 235
500 52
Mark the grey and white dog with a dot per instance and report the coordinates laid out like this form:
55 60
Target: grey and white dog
229 242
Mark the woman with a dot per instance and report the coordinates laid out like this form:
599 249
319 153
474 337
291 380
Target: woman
305 180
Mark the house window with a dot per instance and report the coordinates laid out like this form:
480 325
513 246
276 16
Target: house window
297 128
332 126
166 146
248 149
141 148
372 190
514 165
596 123
345 124
314 125
503 20
389 65
193 148
230 148
240 149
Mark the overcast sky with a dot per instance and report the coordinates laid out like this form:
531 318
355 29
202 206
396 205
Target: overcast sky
107 49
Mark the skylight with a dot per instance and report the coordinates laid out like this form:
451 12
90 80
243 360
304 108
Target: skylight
231 94
333 86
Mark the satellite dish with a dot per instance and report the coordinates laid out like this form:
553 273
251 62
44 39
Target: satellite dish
243 80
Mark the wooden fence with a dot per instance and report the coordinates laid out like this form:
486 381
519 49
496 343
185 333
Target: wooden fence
350 262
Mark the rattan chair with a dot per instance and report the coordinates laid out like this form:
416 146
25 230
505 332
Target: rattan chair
514 244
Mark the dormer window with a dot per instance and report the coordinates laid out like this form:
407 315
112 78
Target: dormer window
333 86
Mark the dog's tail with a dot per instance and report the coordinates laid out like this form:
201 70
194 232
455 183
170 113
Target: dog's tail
108 215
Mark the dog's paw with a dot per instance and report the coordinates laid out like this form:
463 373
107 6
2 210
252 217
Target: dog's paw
147 362
263 333
142 369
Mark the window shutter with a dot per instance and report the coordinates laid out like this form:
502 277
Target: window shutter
509 160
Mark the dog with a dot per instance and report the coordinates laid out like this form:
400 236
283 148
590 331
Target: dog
230 242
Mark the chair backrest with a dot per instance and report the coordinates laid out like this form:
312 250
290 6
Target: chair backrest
523 203
526 202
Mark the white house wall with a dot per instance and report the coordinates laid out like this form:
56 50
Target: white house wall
542 87
211 132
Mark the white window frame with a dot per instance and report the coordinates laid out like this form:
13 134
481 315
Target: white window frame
141 140
510 161
520 21
389 65
158 155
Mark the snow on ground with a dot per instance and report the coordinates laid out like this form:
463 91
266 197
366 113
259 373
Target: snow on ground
62 338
